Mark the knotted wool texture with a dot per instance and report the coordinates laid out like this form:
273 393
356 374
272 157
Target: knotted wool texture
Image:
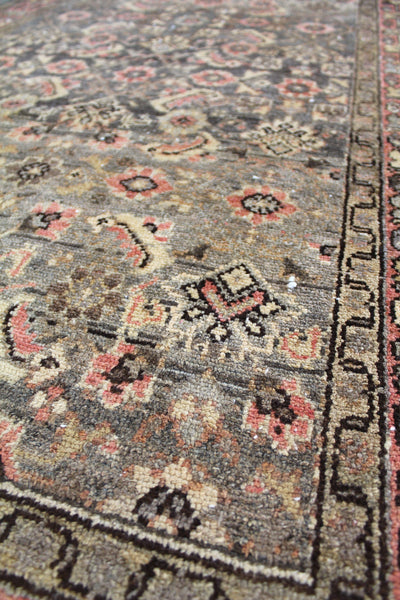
200 300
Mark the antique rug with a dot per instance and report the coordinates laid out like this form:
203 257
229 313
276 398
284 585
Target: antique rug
200 300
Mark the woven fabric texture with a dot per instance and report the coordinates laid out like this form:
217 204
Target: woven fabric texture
200 300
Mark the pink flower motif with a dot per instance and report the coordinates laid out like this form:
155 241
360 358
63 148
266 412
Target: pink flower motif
108 140
259 204
302 345
254 22
135 74
67 66
52 220
14 103
110 447
285 435
287 422
120 377
214 78
27 133
6 62
239 48
99 38
298 88
315 28
183 120
142 181
75 15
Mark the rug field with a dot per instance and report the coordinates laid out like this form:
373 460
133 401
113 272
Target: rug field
200 300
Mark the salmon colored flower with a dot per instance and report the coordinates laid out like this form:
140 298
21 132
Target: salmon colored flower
106 140
6 61
121 377
315 28
239 48
75 15
135 74
99 38
63 67
49 222
298 88
213 78
282 417
142 181
260 204
30 131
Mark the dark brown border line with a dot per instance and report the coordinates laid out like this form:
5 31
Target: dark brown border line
122 535
335 324
380 364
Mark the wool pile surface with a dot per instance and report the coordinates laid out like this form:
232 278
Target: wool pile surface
200 300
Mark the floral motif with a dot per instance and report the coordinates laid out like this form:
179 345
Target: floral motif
298 88
287 137
26 133
50 221
48 404
91 292
183 121
106 140
6 62
315 28
75 15
122 377
99 38
214 78
70 440
254 22
260 204
303 345
101 116
241 48
281 416
191 147
67 66
263 6
135 74
33 170
142 182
